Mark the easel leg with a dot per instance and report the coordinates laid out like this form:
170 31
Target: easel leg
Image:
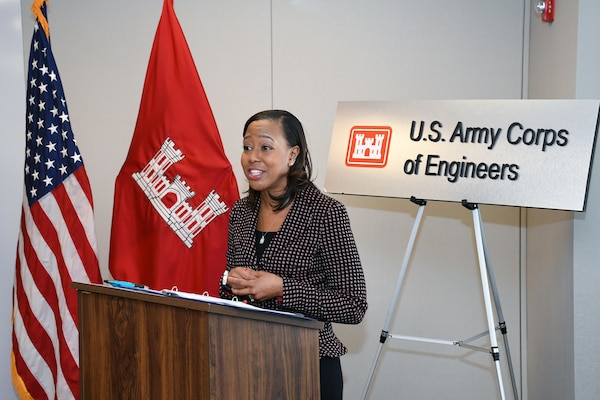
486 293
390 315
501 321
487 281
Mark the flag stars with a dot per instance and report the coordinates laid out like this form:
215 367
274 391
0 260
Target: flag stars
50 151
76 158
51 147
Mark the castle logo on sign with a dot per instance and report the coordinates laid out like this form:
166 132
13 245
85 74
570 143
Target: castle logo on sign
368 146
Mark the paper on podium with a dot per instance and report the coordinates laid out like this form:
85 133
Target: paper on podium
226 302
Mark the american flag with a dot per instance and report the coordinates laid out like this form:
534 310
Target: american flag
57 242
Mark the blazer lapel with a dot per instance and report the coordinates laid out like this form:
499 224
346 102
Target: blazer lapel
297 220
248 241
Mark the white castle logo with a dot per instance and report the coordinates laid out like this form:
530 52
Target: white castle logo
170 198
369 148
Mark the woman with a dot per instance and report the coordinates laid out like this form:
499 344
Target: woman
291 247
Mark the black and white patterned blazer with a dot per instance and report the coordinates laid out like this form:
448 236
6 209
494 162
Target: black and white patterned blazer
315 253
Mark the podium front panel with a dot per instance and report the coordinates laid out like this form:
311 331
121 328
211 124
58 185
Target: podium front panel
135 345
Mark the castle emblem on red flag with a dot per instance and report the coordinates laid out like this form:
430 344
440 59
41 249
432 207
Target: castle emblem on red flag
169 199
368 146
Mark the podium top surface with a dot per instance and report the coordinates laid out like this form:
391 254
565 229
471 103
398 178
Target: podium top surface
202 306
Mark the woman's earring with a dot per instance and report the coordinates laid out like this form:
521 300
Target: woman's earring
292 163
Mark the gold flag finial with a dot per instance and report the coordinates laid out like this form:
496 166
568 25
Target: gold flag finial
36 8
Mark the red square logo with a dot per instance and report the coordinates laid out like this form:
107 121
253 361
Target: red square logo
368 146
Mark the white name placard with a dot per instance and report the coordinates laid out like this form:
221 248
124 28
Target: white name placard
526 153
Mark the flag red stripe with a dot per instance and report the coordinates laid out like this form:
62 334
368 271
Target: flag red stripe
29 387
38 273
32 385
85 249
84 183
56 241
90 261
46 284
40 339
51 238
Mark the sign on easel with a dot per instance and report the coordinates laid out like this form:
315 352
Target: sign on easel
525 153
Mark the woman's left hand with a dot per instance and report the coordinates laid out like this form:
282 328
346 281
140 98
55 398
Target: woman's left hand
259 285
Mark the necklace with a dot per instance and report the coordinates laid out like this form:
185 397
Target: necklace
262 238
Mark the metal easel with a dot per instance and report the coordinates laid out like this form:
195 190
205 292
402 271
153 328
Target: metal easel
487 281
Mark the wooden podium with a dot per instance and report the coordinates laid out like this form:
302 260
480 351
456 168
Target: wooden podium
137 345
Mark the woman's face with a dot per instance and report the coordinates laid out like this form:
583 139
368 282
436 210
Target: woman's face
266 157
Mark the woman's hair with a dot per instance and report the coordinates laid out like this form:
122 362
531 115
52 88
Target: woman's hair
300 173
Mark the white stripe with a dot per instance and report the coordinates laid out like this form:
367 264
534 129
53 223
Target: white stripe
37 302
42 312
74 266
36 364
69 250
83 208
63 391
34 361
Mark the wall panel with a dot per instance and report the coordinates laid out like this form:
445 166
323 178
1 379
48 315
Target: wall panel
305 56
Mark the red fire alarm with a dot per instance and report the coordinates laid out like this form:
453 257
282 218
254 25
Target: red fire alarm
546 8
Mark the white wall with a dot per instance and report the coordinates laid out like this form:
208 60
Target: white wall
563 274
12 137
552 75
586 275
305 56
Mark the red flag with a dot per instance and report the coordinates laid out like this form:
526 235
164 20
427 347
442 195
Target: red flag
57 240
176 187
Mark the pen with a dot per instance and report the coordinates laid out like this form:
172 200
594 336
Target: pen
126 285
